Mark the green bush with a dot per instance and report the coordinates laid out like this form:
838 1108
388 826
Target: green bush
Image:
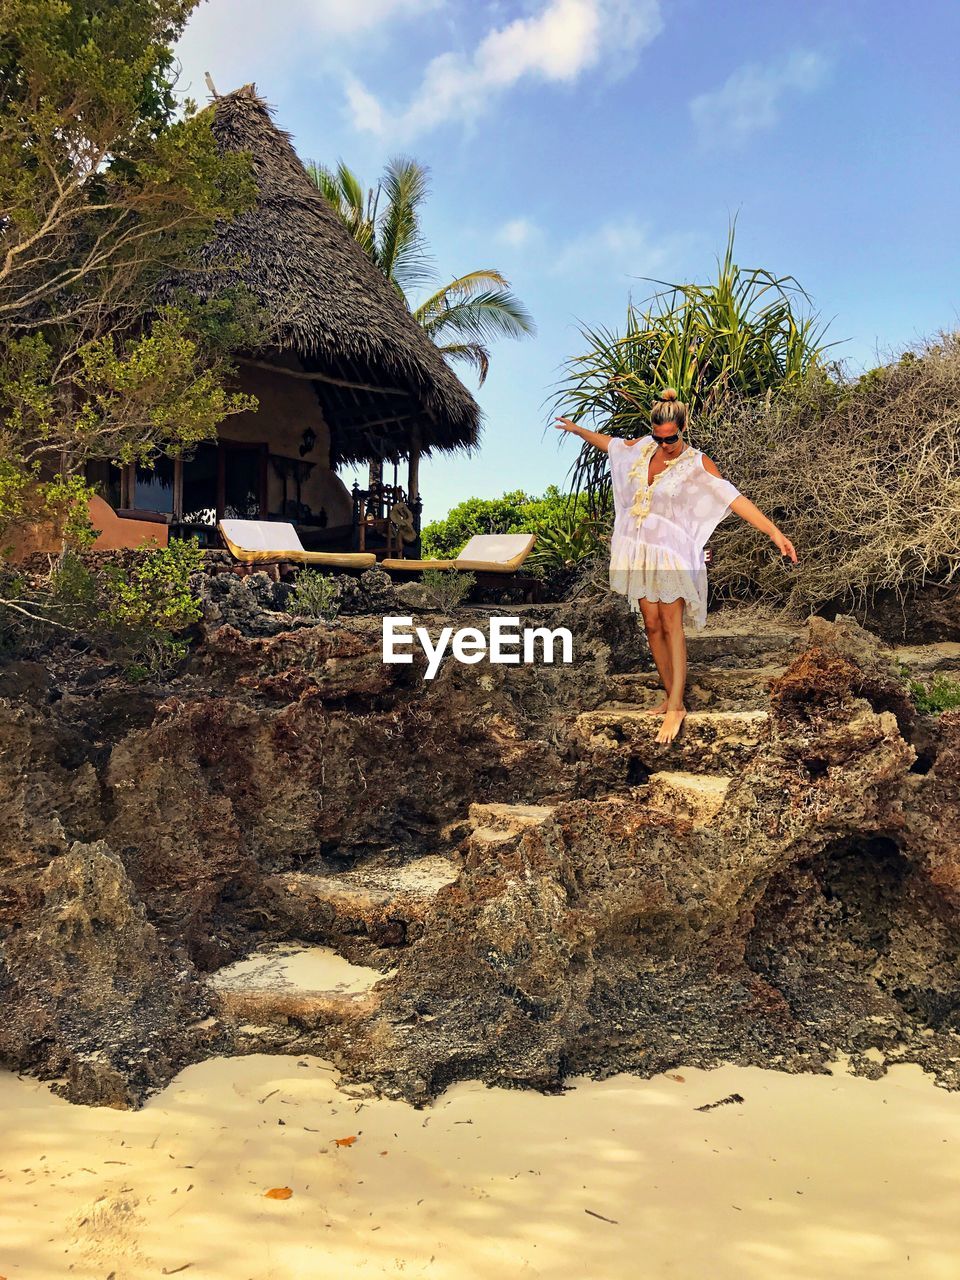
72 585
514 512
565 539
446 589
135 613
941 694
315 595
446 538
145 609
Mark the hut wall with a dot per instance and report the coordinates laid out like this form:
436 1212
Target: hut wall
287 406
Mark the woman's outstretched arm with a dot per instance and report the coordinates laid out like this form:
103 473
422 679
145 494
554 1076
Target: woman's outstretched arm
592 437
744 508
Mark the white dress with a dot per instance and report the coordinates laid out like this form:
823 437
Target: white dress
660 529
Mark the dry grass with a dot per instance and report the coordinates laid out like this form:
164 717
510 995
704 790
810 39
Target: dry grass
862 476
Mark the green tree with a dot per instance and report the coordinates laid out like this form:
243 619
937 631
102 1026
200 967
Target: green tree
513 512
745 333
108 185
464 316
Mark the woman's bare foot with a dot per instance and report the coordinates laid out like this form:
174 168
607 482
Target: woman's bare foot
672 720
657 710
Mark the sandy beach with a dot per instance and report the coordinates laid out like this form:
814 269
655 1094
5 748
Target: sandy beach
806 1177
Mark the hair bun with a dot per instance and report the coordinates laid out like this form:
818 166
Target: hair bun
668 394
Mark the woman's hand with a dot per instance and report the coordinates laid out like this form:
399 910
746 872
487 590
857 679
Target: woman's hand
564 424
596 438
783 545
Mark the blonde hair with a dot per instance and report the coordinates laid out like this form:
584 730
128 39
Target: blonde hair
668 409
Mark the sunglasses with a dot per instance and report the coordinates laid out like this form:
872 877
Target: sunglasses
667 439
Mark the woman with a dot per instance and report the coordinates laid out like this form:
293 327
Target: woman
668 499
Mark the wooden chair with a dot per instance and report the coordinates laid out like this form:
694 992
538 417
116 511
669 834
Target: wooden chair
263 542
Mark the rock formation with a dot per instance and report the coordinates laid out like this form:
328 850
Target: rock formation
544 888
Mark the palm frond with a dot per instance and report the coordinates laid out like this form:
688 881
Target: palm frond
324 180
344 192
483 317
463 316
486 291
472 353
401 249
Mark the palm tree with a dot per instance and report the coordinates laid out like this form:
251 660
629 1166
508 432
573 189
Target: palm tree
465 315
746 333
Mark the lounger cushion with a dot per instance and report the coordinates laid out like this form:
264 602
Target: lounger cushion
484 553
504 551
255 541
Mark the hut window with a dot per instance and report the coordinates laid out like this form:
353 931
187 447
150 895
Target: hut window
200 485
153 489
243 480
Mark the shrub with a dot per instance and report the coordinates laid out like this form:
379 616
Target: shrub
446 589
446 538
135 612
942 694
513 512
315 595
72 584
863 476
145 608
564 540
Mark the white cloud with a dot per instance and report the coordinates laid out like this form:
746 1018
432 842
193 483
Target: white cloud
518 233
558 44
242 40
629 247
364 107
620 248
750 99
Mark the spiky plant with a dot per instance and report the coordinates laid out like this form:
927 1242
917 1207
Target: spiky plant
745 332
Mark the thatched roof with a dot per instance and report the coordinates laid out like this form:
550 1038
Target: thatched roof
337 311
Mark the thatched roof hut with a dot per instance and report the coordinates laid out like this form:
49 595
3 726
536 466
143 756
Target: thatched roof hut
382 384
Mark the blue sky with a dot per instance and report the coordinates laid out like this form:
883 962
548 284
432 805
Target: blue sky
578 145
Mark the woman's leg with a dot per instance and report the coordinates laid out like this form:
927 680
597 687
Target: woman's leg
657 640
671 618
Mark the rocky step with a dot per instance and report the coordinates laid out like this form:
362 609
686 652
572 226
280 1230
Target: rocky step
508 818
708 688
929 659
295 988
619 743
494 824
761 644
372 904
696 796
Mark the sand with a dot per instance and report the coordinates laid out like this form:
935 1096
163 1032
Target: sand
291 967
808 1177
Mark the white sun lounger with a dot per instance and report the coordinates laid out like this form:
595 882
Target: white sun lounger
484 553
263 541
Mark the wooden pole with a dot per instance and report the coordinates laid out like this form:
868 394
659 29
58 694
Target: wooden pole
413 465
178 489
